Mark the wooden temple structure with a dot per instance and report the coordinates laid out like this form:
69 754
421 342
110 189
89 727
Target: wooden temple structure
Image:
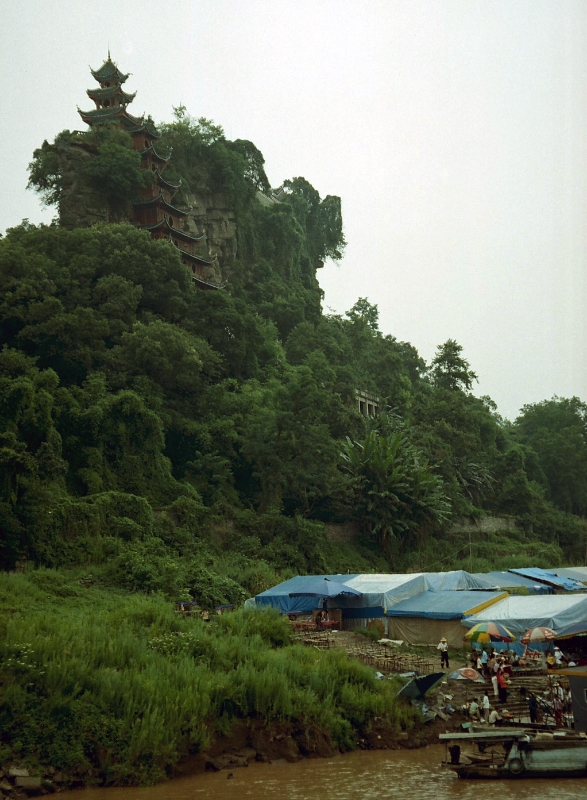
153 210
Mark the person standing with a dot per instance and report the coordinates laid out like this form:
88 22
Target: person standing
494 684
557 705
484 661
486 706
502 686
443 647
533 708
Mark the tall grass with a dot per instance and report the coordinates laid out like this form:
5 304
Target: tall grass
119 688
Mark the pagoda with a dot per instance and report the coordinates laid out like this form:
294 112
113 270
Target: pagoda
153 210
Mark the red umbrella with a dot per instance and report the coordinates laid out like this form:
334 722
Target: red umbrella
538 635
466 674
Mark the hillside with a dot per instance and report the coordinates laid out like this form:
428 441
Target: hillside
162 443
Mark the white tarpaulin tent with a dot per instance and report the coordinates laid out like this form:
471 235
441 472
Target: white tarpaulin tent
519 614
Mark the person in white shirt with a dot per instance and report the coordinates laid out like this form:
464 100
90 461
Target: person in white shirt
494 684
443 647
486 707
494 717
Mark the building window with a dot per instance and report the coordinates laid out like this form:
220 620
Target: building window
106 103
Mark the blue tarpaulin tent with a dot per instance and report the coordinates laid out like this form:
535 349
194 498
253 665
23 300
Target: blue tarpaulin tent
445 605
324 587
508 580
549 578
577 573
427 617
279 596
379 592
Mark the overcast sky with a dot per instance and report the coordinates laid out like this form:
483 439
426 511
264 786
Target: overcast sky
453 130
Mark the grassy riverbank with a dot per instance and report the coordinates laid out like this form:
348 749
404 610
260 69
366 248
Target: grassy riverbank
115 687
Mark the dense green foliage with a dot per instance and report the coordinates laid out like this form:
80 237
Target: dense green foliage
162 443
393 489
144 418
105 166
117 688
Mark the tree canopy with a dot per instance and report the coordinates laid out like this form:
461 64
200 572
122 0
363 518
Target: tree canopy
140 416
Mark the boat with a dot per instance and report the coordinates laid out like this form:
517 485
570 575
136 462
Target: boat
516 753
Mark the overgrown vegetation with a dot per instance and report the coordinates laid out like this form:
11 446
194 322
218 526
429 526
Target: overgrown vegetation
116 688
123 387
159 443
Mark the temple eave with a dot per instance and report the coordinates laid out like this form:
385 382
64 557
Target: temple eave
113 91
206 262
107 114
164 225
206 284
159 200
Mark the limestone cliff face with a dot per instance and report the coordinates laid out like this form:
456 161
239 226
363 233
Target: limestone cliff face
79 207
213 215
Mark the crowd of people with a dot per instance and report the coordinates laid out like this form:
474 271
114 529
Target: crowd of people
497 667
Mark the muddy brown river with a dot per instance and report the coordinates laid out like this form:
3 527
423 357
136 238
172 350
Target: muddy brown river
376 775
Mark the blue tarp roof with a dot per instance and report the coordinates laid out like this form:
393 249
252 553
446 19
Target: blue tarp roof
544 576
377 590
507 580
279 597
578 573
443 605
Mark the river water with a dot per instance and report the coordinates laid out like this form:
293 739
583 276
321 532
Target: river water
375 775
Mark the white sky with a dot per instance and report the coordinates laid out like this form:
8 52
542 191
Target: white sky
454 131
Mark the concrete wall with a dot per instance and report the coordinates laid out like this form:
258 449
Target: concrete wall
341 532
483 525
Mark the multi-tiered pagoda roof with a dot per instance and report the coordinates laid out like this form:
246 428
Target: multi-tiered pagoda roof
154 210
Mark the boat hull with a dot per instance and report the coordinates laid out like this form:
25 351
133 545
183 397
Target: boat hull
475 772
520 756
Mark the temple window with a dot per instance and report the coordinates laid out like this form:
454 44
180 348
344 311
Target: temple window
106 103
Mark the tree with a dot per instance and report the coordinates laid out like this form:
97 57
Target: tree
102 161
255 169
115 174
394 490
449 370
556 430
365 312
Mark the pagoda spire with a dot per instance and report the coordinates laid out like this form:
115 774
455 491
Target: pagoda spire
153 210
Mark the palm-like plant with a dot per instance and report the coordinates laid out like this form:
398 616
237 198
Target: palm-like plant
394 490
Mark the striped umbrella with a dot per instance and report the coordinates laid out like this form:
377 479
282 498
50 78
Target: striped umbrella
538 635
489 632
